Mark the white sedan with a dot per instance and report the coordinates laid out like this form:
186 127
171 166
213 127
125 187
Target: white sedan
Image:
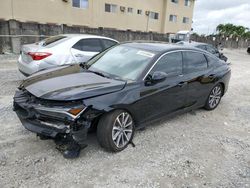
61 50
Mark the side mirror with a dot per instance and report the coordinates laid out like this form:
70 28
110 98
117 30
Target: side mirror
156 77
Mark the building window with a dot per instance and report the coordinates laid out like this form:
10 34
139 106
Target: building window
130 10
139 11
154 15
110 8
187 3
80 3
174 1
185 20
173 18
123 9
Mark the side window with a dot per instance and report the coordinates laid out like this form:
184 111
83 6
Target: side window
194 61
108 43
170 64
88 45
211 49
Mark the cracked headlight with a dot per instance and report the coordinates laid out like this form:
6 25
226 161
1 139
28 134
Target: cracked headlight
71 112
76 111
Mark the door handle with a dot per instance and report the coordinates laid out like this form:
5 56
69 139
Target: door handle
211 76
182 84
79 55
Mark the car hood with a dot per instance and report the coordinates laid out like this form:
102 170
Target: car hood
69 83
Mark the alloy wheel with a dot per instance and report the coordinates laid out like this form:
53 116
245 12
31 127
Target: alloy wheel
215 97
122 129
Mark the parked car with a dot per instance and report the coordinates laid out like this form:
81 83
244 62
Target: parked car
207 47
180 36
248 49
119 91
60 50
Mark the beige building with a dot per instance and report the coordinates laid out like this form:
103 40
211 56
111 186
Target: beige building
162 16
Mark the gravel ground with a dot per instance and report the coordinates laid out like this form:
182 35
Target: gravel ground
196 149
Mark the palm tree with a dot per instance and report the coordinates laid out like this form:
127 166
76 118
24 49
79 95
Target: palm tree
220 28
232 30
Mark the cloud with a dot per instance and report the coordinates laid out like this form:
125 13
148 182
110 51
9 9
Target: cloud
209 14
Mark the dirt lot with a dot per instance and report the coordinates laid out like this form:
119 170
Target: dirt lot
196 149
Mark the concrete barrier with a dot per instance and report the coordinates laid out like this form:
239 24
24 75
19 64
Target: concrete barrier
13 34
226 42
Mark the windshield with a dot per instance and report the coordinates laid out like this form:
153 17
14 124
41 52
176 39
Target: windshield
122 61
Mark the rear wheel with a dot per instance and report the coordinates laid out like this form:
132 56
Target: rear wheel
214 97
115 130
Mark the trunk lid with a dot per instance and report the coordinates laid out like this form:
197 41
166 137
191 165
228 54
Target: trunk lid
26 58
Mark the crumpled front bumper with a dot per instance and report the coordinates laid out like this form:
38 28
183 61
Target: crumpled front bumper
36 120
43 129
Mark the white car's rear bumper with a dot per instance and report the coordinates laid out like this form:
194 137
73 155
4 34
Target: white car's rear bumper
27 68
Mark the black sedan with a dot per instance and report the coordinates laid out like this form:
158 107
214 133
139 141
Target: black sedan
118 92
207 47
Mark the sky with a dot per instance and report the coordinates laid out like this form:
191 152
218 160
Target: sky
210 13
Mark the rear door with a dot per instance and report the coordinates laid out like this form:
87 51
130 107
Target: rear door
84 49
196 73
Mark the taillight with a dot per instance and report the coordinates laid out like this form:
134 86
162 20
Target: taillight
36 56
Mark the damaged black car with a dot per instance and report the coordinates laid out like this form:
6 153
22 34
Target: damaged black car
117 92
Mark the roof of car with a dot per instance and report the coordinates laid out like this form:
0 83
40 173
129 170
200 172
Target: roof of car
159 46
86 36
192 43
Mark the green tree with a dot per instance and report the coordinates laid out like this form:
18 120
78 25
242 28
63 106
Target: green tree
246 35
232 30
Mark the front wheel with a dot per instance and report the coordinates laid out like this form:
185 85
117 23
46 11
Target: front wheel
214 97
115 130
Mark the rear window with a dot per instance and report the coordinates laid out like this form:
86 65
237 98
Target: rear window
203 47
52 40
108 43
211 49
88 45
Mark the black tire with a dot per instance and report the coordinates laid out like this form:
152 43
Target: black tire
105 130
248 50
93 127
219 94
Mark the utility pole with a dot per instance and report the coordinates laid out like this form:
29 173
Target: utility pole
147 22
12 9
164 17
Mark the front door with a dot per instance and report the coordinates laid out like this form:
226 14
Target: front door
168 95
